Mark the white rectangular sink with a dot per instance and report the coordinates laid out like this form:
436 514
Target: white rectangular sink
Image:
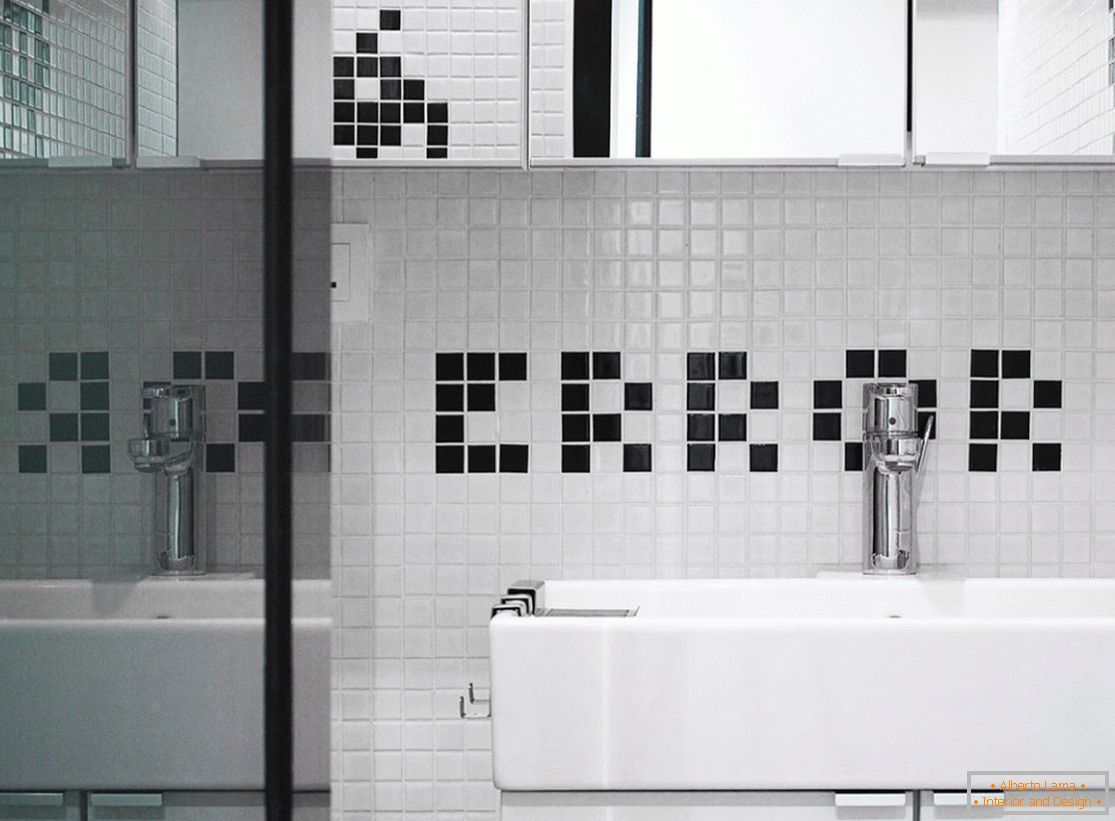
846 682
152 684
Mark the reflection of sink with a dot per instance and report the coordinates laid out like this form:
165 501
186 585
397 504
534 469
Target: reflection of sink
155 684
803 683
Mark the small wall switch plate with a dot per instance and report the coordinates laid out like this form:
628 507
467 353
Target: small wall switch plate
351 277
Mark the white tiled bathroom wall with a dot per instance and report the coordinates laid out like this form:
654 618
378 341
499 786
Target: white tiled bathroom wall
468 55
978 280
157 77
1056 77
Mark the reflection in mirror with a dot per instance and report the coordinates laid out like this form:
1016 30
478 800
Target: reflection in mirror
1014 77
157 78
717 79
63 70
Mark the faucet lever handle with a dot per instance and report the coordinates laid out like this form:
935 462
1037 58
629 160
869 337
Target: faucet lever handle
924 443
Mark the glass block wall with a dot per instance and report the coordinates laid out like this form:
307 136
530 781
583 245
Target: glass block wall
62 78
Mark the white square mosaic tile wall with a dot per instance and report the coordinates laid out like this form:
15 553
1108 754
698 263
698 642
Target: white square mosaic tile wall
467 56
550 99
1056 77
62 69
492 420
108 280
157 77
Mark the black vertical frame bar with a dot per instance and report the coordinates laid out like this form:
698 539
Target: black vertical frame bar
642 103
278 732
592 78
909 66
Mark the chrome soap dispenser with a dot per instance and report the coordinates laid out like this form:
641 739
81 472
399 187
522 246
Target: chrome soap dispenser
893 453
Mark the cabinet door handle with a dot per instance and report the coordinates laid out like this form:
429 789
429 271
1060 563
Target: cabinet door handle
30 799
870 799
960 799
126 799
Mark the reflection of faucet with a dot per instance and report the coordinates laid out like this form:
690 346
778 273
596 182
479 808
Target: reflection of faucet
173 448
892 456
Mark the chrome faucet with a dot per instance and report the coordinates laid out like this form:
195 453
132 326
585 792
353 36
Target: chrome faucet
173 448
893 453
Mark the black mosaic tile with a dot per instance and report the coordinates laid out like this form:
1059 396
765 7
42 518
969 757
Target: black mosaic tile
449 397
437 153
252 427
859 364
367 134
733 427
251 396
389 90
414 90
414 112
344 112
438 112
32 458
482 397
826 427
367 113
605 365
94 395
574 365
94 427
449 428
482 366
700 396
220 458
983 425
1047 393
31 396
64 427
701 457
764 458
343 66
449 459
575 458
367 66
575 427
391 135
574 397
367 42
764 395
392 67
309 366
700 427
220 365
309 427
94 365
827 393
607 427
1016 364
701 366
1046 456
187 364
983 458
449 367
437 135
96 459
63 367
344 90
733 365
638 396
1015 425
513 458
892 364
985 364
481 458
853 456
927 392
364 153
391 113
513 367
636 458
983 393
344 135
390 20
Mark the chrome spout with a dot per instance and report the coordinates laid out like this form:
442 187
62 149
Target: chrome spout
893 454
173 449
